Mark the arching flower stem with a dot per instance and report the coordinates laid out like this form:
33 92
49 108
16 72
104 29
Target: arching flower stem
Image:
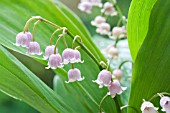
35 24
101 102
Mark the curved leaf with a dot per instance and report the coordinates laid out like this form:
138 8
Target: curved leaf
151 73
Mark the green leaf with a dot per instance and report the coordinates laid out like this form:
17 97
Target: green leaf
138 23
151 73
85 95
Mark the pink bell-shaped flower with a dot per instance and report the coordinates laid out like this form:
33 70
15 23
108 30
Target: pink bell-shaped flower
104 78
74 75
108 9
68 55
148 107
49 51
117 74
85 6
103 29
115 88
55 61
77 57
23 39
34 48
98 20
165 104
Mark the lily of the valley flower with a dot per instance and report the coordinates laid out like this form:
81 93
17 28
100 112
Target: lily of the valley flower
23 39
34 48
112 51
115 88
85 6
55 61
118 32
165 104
49 51
104 78
148 107
98 20
108 9
117 74
74 75
103 29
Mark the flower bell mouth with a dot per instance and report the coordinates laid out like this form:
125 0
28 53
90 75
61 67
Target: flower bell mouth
165 104
148 107
108 9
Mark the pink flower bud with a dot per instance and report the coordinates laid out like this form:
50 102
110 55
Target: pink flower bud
118 32
23 39
74 75
68 55
103 29
104 78
115 88
98 20
55 61
148 107
85 6
165 104
34 48
49 51
108 9
117 73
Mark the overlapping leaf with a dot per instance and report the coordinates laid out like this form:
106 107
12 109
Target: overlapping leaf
151 73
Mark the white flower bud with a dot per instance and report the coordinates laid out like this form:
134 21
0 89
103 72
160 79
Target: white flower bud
117 74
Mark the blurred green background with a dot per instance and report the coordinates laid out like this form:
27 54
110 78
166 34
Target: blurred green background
10 105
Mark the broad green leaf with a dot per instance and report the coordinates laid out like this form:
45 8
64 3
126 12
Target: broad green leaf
86 95
151 73
138 23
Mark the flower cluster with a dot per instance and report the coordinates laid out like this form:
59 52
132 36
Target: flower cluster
105 79
55 60
148 107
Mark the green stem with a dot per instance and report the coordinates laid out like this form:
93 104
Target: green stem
75 38
101 102
129 107
51 38
57 44
159 95
35 24
124 63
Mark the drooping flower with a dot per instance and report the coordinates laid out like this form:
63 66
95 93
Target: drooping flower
74 75
165 104
104 78
98 20
103 29
77 57
108 9
55 61
148 107
118 32
117 74
67 55
23 39
96 3
112 51
85 6
115 88
34 48
49 51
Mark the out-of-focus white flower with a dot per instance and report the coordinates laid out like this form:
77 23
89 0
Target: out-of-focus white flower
85 6
104 78
98 20
148 107
49 51
115 88
117 74
118 32
74 75
103 29
108 9
165 104
96 3
112 51
34 48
